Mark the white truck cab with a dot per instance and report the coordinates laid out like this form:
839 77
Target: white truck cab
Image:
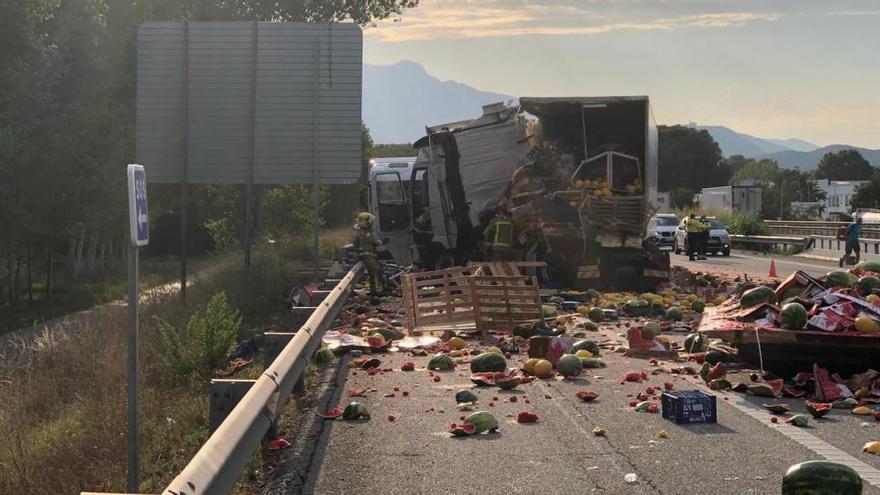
388 200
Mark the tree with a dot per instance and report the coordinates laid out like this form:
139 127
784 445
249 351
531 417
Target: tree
688 158
868 195
761 172
844 165
392 150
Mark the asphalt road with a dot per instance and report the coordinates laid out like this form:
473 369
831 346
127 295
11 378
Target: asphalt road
755 264
741 454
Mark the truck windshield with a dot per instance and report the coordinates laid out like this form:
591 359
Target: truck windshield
389 189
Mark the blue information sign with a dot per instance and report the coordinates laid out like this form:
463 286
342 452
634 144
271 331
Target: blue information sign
137 206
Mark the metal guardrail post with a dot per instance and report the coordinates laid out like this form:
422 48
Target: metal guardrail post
218 464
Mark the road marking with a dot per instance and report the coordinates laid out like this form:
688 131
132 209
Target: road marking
800 436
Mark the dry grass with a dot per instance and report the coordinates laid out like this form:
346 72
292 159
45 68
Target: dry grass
63 407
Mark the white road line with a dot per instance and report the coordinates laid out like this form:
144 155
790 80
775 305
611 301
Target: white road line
800 436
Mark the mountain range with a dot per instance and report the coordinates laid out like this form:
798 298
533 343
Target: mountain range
399 100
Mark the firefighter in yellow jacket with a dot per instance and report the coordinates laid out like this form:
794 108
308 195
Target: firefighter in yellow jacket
499 235
365 244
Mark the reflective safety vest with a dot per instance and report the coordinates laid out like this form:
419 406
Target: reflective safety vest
693 226
503 234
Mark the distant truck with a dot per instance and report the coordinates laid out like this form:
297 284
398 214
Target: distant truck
576 173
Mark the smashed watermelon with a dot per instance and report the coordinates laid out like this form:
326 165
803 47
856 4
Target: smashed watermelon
462 429
758 295
769 388
587 396
818 409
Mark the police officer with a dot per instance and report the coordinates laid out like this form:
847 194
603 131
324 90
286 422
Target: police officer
365 244
693 234
499 235
705 227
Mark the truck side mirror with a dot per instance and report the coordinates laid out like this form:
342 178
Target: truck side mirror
363 198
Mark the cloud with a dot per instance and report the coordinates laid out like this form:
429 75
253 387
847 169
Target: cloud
457 19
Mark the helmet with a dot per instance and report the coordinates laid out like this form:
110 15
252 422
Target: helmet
364 218
501 210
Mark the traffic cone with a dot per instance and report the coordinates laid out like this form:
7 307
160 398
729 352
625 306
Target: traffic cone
773 268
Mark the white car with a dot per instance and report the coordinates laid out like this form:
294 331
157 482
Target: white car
661 229
719 238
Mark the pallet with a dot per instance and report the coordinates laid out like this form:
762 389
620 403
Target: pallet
503 302
438 298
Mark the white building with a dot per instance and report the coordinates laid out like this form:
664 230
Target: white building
838 195
732 199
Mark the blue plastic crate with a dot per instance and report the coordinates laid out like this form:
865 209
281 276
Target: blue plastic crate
689 406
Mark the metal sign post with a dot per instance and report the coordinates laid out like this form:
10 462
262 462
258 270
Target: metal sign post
139 230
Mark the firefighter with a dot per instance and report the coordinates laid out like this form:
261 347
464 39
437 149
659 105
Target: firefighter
365 244
693 234
499 235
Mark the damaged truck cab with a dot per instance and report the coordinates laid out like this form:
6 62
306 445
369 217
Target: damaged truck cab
575 173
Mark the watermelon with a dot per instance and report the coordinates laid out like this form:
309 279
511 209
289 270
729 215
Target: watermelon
674 313
549 310
698 306
507 382
815 477
839 278
868 285
638 307
596 315
651 328
488 361
389 334
587 396
323 356
592 294
482 421
720 384
354 411
569 365
465 395
818 409
587 363
556 300
793 316
758 295
780 408
441 362
695 342
588 345
484 379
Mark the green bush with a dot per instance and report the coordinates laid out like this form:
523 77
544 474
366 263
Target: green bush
745 225
200 347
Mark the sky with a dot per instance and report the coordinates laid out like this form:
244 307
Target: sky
807 69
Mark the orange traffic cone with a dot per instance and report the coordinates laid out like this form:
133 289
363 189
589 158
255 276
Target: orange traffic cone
773 268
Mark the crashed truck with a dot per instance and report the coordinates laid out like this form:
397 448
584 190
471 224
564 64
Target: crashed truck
576 174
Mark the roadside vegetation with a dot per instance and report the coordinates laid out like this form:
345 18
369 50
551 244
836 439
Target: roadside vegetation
62 418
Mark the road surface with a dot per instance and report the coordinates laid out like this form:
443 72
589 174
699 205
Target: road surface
756 264
744 453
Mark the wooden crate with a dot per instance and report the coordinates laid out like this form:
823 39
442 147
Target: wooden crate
438 298
501 303
619 213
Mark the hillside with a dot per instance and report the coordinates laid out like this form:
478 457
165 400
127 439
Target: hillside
809 159
401 99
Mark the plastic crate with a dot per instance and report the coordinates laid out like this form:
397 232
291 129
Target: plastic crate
689 406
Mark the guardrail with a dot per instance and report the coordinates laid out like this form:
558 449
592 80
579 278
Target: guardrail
770 240
218 465
831 243
813 227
